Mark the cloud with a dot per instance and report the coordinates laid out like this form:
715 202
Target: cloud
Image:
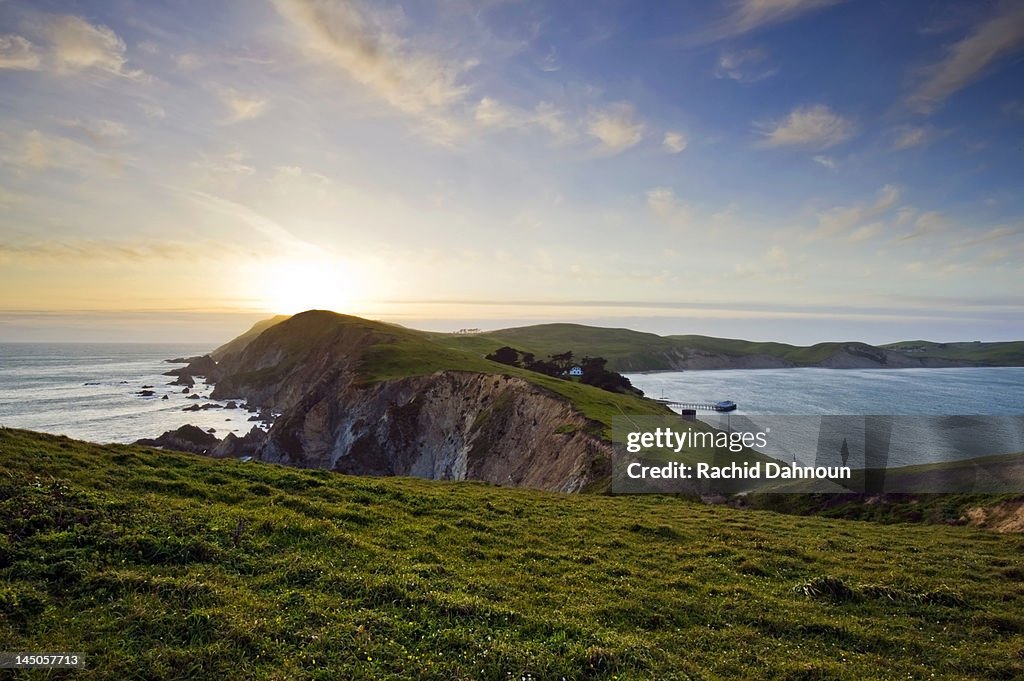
674 142
39 152
853 220
152 110
414 82
549 117
492 113
750 15
100 131
994 234
232 163
826 161
189 61
242 107
927 224
615 128
969 59
912 136
18 54
668 208
111 250
76 45
816 127
865 232
742 66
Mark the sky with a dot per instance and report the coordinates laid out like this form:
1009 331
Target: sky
794 170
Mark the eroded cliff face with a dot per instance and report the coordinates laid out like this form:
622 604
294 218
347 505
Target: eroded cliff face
448 426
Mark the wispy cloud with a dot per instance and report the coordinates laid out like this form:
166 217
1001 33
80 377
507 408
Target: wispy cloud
744 66
816 127
18 53
674 142
747 16
826 161
929 223
855 221
414 82
242 107
70 45
492 113
967 60
615 127
912 136
112 250
232 163
77 45
668 208
39 151
99 131
153 111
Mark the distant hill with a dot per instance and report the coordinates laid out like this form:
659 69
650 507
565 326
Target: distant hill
628 350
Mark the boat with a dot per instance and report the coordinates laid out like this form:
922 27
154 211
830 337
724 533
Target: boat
724 405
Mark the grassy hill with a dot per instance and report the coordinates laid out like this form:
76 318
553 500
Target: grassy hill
1009 353
171 566
628 350
396 352
239 343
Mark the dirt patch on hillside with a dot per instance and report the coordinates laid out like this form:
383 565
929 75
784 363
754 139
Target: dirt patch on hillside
1005 517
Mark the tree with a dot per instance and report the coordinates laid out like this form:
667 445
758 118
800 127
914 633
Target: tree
562 360
505 355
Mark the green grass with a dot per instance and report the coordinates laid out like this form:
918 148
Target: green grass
160 565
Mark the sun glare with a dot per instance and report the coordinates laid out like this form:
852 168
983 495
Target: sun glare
288 286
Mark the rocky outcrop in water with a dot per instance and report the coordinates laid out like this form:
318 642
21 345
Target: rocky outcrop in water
187 438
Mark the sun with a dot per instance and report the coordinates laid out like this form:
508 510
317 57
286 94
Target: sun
295 284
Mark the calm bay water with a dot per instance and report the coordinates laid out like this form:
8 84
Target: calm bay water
941 414
88 391
977 391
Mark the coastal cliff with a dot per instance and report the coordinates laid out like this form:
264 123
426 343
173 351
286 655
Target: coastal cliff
450 425
451 417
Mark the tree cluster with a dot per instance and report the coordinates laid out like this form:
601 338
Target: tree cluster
594 369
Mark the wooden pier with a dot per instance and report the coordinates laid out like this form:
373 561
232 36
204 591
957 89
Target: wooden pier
698 406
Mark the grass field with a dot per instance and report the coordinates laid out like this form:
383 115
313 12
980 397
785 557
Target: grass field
160 565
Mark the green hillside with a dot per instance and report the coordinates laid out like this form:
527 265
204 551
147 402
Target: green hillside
628 350
624 349
171 566
1009 353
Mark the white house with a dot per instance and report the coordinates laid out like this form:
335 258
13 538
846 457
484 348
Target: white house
576 371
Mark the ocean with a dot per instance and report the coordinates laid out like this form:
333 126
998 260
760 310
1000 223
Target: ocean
88 391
